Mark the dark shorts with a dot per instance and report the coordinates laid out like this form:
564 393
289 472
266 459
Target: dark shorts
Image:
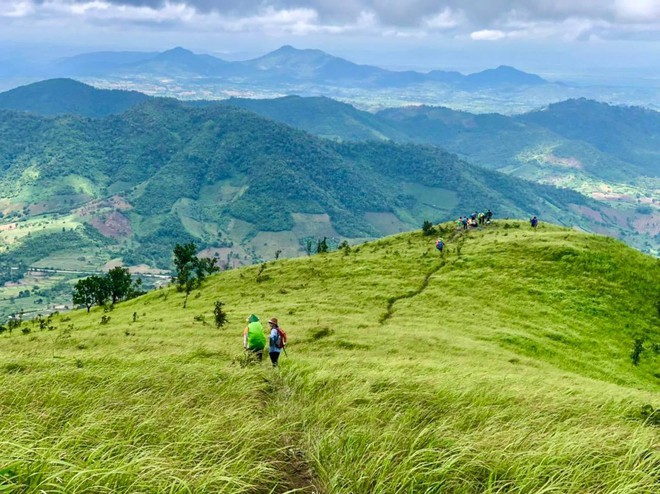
274 357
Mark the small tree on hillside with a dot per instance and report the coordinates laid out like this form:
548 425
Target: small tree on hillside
191 270
119 283
100 289
84 292
427 228
219 314
322 246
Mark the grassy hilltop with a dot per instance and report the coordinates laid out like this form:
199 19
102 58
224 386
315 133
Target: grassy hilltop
503 366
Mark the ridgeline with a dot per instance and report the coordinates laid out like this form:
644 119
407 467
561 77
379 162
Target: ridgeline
504 365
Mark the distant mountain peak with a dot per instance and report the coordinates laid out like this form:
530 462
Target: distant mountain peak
177 54
177 50
505 74
288 49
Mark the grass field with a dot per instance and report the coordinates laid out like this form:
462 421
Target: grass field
502 366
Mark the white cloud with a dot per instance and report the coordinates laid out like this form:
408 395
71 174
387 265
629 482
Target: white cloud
16 9
488 35
444 19
492 20
645 11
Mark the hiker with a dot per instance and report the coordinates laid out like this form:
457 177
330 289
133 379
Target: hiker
489 215
459 222
481 218
277 341
439 244
465 223
254 339
534 222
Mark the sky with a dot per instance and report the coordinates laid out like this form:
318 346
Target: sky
547 36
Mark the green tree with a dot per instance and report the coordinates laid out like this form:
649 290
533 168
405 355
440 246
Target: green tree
84 292
219 314
119 283
135 289
427 228
100 289
191 270
322 246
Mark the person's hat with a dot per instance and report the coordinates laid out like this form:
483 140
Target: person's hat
273 320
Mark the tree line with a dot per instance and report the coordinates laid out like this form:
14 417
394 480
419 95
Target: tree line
117 285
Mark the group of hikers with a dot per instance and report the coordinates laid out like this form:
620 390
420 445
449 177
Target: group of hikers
468 221
474 220
254 339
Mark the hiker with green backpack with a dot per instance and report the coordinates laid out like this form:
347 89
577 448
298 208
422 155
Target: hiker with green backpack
254 339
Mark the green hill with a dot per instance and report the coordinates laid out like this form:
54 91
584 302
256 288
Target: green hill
632 134
504 366
66 96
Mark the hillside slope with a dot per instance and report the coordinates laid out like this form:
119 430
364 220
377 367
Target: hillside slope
503 366
66 96
632 134
602 151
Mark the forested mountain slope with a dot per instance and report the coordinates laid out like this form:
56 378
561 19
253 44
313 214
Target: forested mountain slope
130 186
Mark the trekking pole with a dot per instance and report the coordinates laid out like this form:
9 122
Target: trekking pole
285 354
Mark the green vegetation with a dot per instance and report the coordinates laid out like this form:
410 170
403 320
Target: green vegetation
507 369
116 285
239 186
190 270
605 152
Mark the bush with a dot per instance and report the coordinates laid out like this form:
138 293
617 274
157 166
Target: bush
428 229
638 348
219 314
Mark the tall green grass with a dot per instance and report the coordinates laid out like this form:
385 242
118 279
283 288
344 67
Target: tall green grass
504 369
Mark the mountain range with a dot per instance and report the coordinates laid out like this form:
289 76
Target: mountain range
115 185
284 65
182 74
81 194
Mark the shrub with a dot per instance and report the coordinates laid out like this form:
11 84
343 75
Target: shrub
638 348
219 314
427 228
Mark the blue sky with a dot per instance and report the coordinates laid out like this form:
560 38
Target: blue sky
546 36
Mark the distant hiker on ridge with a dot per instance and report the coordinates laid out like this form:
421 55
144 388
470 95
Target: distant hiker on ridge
439 244
534 222
254 339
